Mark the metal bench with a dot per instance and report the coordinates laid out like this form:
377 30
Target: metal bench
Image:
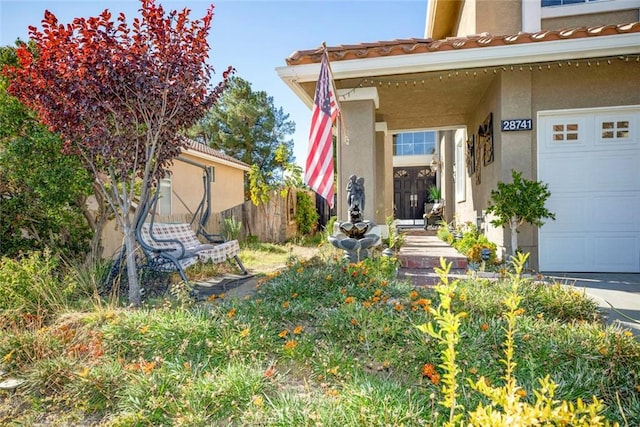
172 247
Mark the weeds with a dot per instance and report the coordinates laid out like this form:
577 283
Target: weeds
323 342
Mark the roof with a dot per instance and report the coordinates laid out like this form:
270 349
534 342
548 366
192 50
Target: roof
204 149
417 45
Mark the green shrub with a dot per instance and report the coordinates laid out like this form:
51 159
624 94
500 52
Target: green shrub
444 233
231 228
471 243
30 286
306 215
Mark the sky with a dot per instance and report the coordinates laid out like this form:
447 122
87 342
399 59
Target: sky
255 36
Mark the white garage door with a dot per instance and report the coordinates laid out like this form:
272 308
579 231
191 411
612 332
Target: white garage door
591 161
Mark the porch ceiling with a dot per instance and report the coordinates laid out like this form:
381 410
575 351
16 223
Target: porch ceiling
424 100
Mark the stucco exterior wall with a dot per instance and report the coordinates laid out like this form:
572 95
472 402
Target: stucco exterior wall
492 16
227 190
467 23
598 85
590 20
485 178
384 177
358 155
499 17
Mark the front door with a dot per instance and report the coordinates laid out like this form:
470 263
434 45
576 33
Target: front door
410 186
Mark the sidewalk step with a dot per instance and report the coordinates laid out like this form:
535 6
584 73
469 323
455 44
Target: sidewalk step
424 277
429 262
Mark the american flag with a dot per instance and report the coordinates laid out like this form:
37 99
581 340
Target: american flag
319 171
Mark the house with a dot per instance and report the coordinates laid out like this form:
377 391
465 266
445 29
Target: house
182 192
549 88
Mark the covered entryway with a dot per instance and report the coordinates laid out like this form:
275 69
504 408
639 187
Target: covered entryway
410 186
591 160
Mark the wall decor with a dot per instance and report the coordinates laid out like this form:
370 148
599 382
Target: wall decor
485 136
479 154
471 155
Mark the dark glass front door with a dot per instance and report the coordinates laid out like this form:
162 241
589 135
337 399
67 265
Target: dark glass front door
410 186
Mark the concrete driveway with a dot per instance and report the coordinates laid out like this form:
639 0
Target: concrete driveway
617 294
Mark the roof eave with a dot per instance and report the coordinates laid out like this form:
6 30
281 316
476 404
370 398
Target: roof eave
533 52
216 159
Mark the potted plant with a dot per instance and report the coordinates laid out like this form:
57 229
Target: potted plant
434 194
434 208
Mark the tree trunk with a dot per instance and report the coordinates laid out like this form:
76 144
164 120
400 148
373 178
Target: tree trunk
132 270
513 225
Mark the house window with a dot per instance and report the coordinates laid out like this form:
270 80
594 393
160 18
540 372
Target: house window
614 129
565 132
414 143
548 3
459 175
164 198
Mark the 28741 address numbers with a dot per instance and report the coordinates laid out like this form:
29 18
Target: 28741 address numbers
516 124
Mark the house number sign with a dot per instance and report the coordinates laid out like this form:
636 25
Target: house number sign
516 124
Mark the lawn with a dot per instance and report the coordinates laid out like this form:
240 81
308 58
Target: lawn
320 342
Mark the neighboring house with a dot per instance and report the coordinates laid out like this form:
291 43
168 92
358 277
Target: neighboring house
550 88
182 192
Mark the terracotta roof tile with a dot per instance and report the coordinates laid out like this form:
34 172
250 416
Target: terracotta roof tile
202 148
417 45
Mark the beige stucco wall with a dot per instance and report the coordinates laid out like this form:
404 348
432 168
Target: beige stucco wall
496 17
485 178
598 85
357 155
590 20
226 191
384 177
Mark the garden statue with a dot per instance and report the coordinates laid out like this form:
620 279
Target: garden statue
355 236
355 198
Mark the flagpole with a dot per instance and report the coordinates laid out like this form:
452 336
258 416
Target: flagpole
341 132
333 86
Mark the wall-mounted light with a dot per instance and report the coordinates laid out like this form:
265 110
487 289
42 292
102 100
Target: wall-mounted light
481 221
435 164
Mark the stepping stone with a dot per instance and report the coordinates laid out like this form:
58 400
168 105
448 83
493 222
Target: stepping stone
11 384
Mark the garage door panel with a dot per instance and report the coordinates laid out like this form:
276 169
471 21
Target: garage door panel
616 253
623 172
571 215
615 213
565 179
591 161
558 247
567 133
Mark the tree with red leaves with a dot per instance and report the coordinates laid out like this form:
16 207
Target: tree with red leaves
118 96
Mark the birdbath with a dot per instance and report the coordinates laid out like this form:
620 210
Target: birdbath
354 236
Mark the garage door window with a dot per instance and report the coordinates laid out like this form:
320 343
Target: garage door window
615 130
565 132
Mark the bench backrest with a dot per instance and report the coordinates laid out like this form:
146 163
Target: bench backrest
167 231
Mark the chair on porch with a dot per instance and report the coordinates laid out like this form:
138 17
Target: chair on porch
434 215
